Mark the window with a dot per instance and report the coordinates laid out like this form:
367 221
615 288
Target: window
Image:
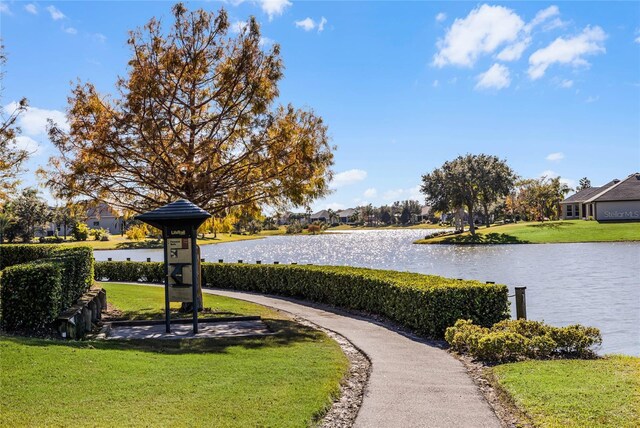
96 223
569 210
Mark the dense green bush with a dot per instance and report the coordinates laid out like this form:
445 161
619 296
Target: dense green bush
80 231
99 233
513 340
43 281
425 303
13 254
31 295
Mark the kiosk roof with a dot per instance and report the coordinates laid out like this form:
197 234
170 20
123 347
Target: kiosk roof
180 211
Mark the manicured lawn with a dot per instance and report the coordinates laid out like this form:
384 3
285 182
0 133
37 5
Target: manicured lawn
575 393
547 232
284 380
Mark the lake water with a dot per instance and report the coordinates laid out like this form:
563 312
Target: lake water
595 284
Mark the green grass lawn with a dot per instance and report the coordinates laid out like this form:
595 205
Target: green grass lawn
542 233
575 393
284 380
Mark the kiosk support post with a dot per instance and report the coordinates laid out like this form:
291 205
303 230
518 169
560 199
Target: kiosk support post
167 305
194 277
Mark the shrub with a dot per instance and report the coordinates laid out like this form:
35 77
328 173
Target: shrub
137 232
294 227
425 303
314 228
13 254
99 233
80 231
31 295
55 239
43 281
512 340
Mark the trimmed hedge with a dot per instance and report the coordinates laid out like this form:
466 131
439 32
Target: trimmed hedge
425 303
513 340
33 293
15 254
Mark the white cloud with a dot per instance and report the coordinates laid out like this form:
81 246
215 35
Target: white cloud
591 99
4 8
31 8
555 157
346 178
371 193
265 41
570 51
335 206
100 37
403 194
566 83
497 77
637 39
321 24
238 26
514 51
309 24
70 30
306 24
23 142
542 16
552 174
441 17
274 7
33 121
435 83
55 13
484 30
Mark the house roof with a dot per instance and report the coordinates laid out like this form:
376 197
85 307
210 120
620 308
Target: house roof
321 214
585 194
346 213
426 210
626 190
102 210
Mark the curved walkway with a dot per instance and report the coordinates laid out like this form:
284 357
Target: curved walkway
412 383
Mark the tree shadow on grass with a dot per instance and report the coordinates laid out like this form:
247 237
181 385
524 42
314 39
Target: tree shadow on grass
487 238
286 333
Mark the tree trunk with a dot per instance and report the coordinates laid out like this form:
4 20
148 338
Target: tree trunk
486 215
472 226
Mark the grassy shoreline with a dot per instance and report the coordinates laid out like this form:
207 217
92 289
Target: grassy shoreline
563 231
603 392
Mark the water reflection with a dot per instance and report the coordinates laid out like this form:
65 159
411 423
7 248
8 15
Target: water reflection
594 284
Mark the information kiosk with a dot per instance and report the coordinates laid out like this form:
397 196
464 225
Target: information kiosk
179 222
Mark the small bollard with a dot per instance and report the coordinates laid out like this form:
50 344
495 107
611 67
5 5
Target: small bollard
294 263
490 282
240 261
109 259
128 259
521 303
148 259
258 262
276 263
201 260
220 261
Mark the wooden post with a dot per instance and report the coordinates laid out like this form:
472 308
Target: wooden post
521 303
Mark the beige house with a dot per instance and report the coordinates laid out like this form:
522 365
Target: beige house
105 217
618 200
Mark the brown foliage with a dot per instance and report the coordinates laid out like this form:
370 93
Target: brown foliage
195 118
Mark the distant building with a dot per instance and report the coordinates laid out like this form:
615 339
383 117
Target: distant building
105 217
321 216
617 200
346 216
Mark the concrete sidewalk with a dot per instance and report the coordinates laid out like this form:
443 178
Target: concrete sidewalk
412 383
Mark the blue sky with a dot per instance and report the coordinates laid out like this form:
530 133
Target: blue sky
553 87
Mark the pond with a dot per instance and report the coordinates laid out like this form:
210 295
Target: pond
595 284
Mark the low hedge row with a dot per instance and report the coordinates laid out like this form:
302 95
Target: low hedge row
33 293
15 254
425 303
513 340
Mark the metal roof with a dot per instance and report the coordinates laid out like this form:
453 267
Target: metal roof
178 212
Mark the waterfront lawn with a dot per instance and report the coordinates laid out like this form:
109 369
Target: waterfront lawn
287 379
574 393
564 231
117 242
